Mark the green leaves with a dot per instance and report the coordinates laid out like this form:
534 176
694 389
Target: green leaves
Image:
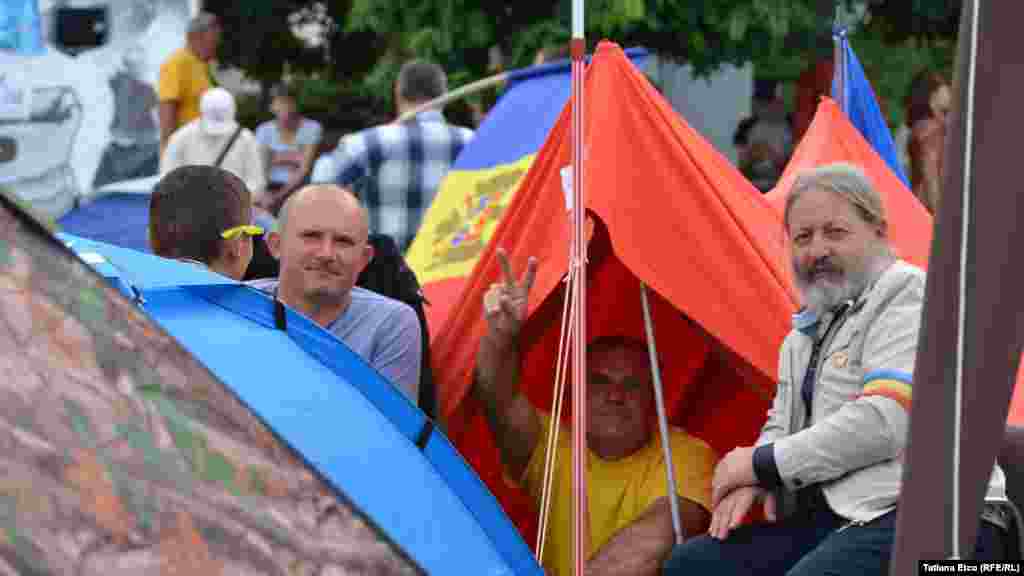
367 40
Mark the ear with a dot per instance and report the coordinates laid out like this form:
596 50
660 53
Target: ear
274 244
230 249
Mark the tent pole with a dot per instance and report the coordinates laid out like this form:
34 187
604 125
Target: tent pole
659 399
581 525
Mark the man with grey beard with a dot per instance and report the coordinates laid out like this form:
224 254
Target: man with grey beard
829 461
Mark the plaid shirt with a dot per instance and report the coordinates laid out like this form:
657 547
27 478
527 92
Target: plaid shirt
396 170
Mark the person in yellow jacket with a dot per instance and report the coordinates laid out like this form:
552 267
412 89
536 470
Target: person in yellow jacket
185 75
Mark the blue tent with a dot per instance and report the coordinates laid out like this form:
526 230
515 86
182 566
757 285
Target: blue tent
354 427
116 214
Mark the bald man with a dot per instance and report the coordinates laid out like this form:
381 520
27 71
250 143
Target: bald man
321 244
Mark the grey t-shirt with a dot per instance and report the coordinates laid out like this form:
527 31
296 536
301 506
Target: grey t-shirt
383 331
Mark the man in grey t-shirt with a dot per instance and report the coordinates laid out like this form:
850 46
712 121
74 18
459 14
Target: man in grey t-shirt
321 243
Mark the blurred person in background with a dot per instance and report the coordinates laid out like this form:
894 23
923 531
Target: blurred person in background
185 75
290 142
928 104
396 168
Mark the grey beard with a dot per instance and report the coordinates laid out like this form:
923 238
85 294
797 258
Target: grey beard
823 295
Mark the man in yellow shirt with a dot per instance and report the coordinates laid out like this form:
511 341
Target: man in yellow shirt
627 495
185 75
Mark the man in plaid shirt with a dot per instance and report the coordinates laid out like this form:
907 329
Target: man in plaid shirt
397 168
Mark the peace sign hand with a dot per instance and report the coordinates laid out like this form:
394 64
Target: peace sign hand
505 302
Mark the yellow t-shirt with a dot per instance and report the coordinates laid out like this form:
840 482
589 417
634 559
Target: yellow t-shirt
617 491
183 79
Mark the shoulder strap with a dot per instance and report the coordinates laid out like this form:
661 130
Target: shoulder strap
227 147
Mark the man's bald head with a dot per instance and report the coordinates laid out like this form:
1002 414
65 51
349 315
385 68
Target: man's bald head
322 245
314 192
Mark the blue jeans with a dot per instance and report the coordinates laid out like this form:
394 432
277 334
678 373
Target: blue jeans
818 543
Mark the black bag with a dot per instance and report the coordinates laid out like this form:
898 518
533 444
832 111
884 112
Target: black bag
389 274
263 264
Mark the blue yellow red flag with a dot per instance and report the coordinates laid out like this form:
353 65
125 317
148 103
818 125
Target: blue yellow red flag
484 179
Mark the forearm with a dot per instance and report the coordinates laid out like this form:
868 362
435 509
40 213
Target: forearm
512 419
775 426
860 434
168 122
638 549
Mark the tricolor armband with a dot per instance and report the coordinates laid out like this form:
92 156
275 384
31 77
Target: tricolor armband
892 384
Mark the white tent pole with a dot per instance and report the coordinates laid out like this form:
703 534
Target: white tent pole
659 399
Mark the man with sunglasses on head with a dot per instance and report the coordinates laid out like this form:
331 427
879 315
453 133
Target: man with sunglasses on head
321 244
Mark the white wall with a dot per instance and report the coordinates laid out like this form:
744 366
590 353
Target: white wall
150 29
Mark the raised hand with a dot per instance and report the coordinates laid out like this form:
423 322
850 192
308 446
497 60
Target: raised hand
505 302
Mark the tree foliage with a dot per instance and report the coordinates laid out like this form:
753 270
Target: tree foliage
367 40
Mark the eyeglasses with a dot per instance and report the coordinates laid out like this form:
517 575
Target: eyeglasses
247 229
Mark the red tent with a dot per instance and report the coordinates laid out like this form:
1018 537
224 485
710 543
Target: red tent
832 138
666 209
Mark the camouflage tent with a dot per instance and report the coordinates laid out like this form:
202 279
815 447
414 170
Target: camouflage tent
122 454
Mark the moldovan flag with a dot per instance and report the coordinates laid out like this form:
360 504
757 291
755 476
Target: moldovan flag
482 182
666 209
832 138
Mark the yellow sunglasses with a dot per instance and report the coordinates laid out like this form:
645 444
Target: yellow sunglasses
247 229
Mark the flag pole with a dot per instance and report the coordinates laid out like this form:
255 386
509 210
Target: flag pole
581 531
457 94
659 400
839 74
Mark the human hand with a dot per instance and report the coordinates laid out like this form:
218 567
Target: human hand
505 302
734 471
736 505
